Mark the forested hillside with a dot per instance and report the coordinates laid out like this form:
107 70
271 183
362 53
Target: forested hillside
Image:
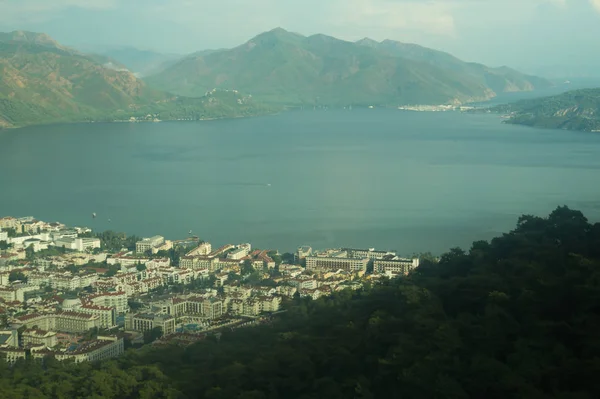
517 317
42 81
282 67
573 110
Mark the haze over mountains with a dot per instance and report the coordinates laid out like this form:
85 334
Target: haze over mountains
285 67
42 81
140 62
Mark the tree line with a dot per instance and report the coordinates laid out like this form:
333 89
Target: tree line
518 316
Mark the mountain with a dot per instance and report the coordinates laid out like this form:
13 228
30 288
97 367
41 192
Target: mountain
573 110
42 81
284 67
500 80
140 62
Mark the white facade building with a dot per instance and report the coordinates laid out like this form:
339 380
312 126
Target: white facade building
395 265
148 244
336 263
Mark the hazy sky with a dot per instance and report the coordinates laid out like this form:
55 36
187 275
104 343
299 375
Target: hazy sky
496 32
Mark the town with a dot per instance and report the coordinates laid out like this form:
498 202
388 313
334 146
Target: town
74 294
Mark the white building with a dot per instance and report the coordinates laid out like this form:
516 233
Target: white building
395 265
60 321
37 244
203 249
148 244
370 253
77 244
238 253
336 263
304 252
117 300
107 315
3 235
39 337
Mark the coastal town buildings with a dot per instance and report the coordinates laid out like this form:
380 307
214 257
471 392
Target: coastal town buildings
336 261
72 287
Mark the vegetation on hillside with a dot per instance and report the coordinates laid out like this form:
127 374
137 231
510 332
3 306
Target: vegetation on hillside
515 317
499 80
287 68
44 82
573 110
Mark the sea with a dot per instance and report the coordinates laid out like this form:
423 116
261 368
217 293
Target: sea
366 178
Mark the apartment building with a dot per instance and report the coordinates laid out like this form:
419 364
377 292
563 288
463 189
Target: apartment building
147 321
77 244
203 249
103 347
35 337
107 315
148 244
116 300
395 265
65 321
370 253
319 263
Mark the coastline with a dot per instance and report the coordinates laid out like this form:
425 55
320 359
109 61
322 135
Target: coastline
71 122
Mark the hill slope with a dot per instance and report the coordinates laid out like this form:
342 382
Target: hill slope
283 67
573 110
499 80
43 82
517 317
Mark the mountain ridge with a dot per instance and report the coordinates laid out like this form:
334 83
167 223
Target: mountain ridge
288 68
42 81
572 110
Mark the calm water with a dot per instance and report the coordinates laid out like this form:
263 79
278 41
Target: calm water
365 178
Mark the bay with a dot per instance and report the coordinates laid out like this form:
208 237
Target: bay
408 181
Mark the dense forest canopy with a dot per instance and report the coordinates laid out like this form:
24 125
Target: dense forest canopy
515 317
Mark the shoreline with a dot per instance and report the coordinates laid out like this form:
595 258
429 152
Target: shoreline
16 127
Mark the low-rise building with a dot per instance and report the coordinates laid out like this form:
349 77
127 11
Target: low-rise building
238 253
103 347
303 252
203 249
77 244
393 265
322 263
370 253
35 337
107 315
117 300
65 321
147 321
11 355
147 244
9 339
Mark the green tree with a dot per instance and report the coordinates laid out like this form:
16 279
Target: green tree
247 268
17 276
30 252
152 335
